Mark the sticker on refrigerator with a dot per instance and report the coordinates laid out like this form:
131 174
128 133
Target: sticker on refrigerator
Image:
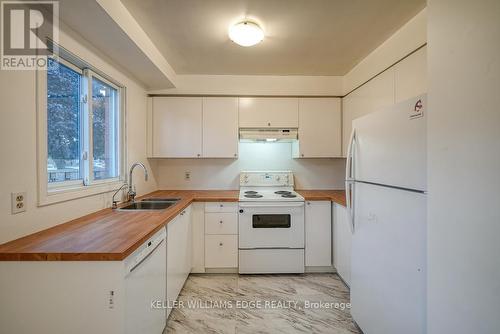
418 110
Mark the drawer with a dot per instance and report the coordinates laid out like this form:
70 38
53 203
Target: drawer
221 207
221 251
221 223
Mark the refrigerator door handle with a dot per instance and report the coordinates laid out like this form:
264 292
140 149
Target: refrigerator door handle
349 163
349 183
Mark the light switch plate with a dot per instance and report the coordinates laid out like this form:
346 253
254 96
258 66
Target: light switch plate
18 202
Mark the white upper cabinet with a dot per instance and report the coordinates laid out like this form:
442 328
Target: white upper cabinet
220 127
320 128
374 95
404 80
268 112
410 76
176 125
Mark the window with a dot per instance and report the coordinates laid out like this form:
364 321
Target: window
104 129
64 120
83 137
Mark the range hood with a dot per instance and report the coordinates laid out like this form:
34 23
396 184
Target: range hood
268 135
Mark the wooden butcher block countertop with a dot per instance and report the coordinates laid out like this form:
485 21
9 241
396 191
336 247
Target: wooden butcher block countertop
109 235
105 235
337 196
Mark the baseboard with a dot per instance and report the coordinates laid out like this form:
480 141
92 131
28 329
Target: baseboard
309 269
320 269
221 270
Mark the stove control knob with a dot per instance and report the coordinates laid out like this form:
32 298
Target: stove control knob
241 210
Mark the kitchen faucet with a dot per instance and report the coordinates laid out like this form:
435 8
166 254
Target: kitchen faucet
131 189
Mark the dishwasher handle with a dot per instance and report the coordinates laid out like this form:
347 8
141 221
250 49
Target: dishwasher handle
145 255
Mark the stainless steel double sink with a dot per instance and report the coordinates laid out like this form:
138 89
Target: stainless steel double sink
152 203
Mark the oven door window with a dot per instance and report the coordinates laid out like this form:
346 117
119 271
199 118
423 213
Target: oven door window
271 221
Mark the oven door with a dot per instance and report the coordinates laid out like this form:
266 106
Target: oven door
271 225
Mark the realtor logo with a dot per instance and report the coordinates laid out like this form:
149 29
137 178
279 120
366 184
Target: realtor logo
27 27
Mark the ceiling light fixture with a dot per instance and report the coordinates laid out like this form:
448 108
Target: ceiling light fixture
246 33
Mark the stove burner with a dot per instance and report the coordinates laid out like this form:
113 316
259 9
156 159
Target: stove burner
253 196
288 195
282 192
250 192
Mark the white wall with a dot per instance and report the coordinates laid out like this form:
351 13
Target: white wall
464 167
224 173
18 145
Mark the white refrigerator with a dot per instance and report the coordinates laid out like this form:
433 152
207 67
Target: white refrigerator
386 200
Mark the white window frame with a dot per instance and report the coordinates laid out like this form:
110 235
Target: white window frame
88 114
50 193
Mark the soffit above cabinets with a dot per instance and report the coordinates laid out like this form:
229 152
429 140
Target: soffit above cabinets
118 38
321 37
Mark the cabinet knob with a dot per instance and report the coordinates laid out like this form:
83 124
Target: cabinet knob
308 203
302 154
220 244
220 222
198 154
222 205
268 124
235 154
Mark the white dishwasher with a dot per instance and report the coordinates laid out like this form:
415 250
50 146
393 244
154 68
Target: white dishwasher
145 277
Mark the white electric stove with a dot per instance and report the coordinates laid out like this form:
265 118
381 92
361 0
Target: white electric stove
271 223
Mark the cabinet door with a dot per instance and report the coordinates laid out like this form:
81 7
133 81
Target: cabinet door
318 221
220 127
372 96
320 128
342 243
221 223
198 237
221 251
174 260
186 215
410 76
177 127
179 244
256 112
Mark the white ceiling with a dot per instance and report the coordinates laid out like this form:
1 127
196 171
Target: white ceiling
303 37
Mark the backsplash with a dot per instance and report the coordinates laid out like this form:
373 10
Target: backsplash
224 173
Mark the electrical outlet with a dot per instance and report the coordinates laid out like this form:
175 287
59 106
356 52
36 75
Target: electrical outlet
18 202
187 175
111 299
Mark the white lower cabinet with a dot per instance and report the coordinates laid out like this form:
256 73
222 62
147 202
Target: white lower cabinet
179 254
221 223
221 235
198 229
342 242
221 251
318 234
